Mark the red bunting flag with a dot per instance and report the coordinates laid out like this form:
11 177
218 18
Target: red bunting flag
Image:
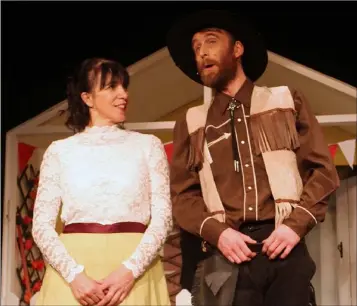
333 149
169 149
25 153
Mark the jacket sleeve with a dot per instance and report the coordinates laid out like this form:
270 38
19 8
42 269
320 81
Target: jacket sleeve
318 172
189 209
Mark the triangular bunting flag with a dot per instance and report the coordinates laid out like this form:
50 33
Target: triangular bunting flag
348 148
333 149
24 154
169 149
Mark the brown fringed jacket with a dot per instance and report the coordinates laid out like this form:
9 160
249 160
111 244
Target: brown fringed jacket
246 193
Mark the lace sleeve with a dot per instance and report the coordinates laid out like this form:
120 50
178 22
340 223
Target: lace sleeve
47 205
161 212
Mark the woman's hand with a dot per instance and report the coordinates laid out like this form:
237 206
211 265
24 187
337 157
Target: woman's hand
116 286
86 290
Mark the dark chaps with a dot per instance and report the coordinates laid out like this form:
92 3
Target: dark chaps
260 282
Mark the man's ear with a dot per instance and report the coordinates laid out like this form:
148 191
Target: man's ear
238 49
87 99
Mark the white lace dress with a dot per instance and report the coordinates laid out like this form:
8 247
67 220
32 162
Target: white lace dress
103 175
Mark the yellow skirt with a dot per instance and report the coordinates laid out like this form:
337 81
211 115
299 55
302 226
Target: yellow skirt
101 254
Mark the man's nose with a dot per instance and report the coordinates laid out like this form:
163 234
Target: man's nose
203 52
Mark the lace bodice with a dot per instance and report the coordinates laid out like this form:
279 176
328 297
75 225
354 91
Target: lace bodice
103 175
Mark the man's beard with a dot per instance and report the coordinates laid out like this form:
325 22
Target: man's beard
219 80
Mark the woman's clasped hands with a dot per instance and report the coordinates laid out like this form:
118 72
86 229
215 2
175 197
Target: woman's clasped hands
109 291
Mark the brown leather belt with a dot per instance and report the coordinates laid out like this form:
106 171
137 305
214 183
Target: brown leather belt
96 228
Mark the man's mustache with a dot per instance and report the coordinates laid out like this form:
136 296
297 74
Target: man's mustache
207 63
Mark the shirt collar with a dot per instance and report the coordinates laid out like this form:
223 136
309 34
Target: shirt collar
243 96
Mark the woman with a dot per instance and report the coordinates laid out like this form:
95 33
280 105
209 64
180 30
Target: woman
114 187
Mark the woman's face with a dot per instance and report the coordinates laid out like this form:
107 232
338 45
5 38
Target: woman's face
107 106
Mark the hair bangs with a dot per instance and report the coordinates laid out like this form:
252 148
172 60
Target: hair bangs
111 74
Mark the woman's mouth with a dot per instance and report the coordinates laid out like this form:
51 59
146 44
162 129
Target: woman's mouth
121 106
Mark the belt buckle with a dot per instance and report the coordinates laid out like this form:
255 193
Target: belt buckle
255 247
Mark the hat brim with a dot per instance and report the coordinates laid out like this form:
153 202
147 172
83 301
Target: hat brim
179 42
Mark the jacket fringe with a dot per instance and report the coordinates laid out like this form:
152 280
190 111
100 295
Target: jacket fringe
274 130
196 156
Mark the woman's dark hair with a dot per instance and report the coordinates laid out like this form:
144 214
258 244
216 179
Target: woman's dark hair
84 79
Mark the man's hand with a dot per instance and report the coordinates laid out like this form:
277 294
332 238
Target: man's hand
116 286
283 238
233 246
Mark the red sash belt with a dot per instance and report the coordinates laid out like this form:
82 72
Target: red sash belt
96 228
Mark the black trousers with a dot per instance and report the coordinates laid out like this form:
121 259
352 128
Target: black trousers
264 282
274 282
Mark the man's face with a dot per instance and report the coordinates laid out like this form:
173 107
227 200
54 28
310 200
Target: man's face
215 56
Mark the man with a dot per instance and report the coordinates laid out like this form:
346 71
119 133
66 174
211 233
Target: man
253 180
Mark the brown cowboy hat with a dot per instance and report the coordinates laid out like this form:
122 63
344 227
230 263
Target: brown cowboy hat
179 38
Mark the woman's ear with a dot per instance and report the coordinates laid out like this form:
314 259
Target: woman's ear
238 49
87 99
